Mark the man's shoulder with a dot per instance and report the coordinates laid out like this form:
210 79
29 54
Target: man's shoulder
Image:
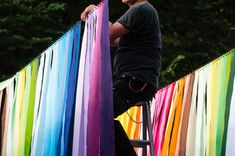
145 8
142 7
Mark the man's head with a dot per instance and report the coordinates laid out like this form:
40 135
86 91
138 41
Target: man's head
131 2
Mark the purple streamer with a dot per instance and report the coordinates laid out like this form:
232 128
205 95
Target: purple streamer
106 112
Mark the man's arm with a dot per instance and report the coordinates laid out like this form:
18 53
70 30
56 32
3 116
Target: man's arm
116 30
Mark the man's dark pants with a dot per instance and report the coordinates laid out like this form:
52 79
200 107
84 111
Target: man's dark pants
127 91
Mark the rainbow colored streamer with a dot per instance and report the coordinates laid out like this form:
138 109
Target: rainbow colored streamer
61 103
94 115
35 100
194 116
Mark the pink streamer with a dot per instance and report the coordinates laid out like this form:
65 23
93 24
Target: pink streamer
163 103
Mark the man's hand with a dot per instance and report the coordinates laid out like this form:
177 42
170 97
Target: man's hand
116 30
87 11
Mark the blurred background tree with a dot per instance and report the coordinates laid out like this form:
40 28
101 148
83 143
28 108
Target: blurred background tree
194 32
26 29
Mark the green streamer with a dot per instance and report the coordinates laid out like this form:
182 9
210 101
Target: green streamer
221 105
30 113
230 63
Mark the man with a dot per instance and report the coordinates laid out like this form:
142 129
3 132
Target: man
136 62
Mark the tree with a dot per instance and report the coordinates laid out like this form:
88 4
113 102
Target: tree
194 32
27 28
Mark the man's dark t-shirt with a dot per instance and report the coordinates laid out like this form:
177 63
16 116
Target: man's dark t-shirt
139 51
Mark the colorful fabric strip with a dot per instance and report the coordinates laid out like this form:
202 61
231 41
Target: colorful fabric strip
106 96
61 103
200 120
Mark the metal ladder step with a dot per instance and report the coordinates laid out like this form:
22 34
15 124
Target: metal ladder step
140 143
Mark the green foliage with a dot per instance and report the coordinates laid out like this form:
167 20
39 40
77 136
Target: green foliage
194 32
198 30
26 29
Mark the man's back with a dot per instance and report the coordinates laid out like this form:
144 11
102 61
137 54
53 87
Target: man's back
139 51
